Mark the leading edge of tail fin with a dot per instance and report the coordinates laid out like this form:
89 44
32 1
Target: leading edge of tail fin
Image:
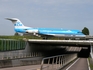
15 21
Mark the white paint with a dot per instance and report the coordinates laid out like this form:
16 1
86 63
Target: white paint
88 65
72 64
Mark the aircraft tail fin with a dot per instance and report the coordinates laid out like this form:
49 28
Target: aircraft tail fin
16 22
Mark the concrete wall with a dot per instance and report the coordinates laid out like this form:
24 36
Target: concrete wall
28 51
20 62
26 56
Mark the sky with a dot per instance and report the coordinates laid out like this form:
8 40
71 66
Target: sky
67 14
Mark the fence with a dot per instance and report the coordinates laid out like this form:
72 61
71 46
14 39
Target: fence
9 44
57 62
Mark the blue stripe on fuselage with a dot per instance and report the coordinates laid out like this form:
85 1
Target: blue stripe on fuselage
56 31
50 31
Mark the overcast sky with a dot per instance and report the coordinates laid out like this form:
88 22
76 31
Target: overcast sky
67 14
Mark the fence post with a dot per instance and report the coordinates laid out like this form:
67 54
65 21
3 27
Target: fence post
42 64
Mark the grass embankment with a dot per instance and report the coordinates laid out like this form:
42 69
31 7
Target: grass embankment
29 37
90 63
19 37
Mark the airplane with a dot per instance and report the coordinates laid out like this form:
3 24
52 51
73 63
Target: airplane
44 32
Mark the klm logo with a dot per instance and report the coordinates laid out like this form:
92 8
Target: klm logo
18 24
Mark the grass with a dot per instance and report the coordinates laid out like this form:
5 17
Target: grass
19 37
90 63
28 37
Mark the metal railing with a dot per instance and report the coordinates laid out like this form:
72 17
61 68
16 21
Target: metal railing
57 62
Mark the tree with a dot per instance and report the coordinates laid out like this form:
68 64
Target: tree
85 31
